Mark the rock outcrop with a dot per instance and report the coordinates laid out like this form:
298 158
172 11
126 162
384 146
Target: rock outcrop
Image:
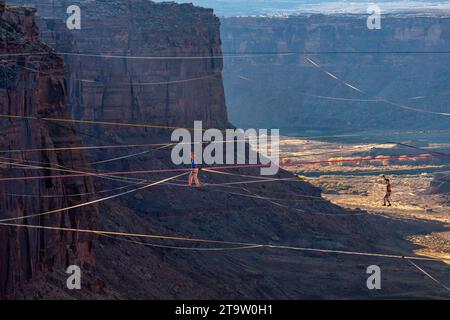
34 86
175 92
165 91
441 184
287 92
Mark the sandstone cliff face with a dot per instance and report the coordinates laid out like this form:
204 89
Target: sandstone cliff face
230 212
162 91
287 92
35 86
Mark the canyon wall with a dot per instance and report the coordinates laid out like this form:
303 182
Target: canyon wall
405 61
150 86
177 91
34 86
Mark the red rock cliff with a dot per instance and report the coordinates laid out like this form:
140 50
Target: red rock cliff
145 271
162 91
35 86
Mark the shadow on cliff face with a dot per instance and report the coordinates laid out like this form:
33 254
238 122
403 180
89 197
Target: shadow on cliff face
26 90
132 270
136 268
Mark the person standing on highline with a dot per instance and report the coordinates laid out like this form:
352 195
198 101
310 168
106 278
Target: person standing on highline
387 197
193 176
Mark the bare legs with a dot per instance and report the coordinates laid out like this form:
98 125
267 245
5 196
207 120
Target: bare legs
193 178
387 198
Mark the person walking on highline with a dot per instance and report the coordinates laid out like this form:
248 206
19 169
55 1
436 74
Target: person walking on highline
193 176
387 196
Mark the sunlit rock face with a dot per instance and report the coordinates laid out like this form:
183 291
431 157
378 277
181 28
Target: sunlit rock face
288 92
34 86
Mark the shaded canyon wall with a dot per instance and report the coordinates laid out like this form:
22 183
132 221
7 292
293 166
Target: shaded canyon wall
287 92
162 91
35 86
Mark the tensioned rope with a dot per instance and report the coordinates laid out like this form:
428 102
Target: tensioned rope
302 155
365 100
210 76
180 248
144 181
275 199
333 76
132 191
427 274
199 57
108 123
120 157
313 198
61 169
234 243
234 55
249 246
417 148
155 83
145 152
132 181
249 182
158 144
260 179
228 173
423 97
165 144
71 195
381 99
221 56
129 57
136 235
275 203
233 174
240 247
271 200
291 164
94 201
99 83
302 198
123 146
24 164
339 98
251 195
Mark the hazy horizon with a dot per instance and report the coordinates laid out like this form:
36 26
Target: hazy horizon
229 8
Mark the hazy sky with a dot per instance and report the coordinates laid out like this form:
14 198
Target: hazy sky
272 7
